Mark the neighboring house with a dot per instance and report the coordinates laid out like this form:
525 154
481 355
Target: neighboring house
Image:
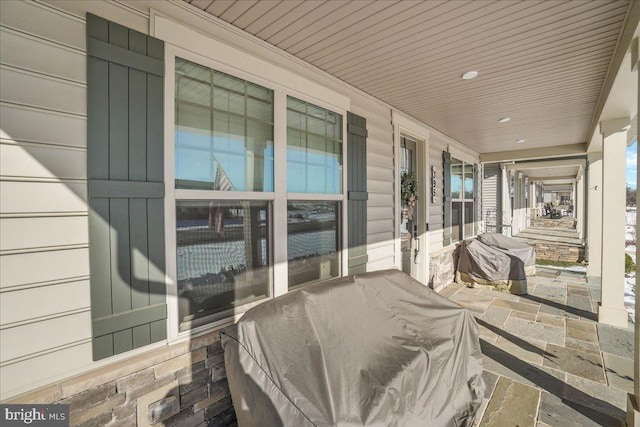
153 161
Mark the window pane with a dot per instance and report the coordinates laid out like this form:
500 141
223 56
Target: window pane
468 182
222 255
314 149
312 241
456 179
456 221
224 131
468 219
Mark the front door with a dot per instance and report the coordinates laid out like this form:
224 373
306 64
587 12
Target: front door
409 208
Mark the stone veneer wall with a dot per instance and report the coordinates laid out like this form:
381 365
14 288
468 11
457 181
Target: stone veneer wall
559 252
442 267
177 385
554 223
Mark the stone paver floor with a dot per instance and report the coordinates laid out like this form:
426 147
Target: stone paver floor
547 361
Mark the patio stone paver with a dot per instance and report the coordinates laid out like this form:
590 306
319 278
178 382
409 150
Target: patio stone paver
581 330
555 411
619 371
490 381
451 289
552 309
532 352
616 341
594 293
497 316
502 295
506 365
481 411
582 345
582 326
595 395
551 320
578 290
579 302
472 302
523 315
508 395
534 330
513 305
581 363
488 334
547 343
550 291
544 273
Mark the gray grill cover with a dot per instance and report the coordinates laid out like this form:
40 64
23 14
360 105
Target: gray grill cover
497 261
525 252
373 349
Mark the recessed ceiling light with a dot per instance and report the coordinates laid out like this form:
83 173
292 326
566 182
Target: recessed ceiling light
470 75
519 141
504 120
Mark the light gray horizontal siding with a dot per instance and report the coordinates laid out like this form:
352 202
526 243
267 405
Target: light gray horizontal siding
380 185
27 88
33 160
491 197
44 57
27 124
44 301
436 210
32 372
47 23
70 328
52 266
32 197
44 255
35 233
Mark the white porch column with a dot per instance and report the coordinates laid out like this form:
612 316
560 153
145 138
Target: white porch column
506 202
579 206
574 186
533 212
633 401
614 147
594 226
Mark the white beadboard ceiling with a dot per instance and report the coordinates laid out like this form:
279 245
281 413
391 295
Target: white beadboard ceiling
541 63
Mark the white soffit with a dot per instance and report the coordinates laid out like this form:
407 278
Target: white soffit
543 64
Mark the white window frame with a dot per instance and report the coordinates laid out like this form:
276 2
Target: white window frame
464 200
180 42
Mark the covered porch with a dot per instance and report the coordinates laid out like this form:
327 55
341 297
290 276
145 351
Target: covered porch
547 360
495 110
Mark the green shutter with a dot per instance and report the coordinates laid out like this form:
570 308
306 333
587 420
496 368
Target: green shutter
357 192
125 95
446 173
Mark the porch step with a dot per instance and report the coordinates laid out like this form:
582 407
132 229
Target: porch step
554 244
550 236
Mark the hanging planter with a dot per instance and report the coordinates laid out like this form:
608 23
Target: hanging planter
408 191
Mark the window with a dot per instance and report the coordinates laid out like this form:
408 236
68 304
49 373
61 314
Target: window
222 255
224 131
223 144
314 166
226 203
462 185
314 149
312 241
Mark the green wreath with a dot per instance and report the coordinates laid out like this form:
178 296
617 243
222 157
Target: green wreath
408 189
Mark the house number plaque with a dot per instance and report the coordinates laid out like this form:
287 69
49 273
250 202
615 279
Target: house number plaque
433 184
